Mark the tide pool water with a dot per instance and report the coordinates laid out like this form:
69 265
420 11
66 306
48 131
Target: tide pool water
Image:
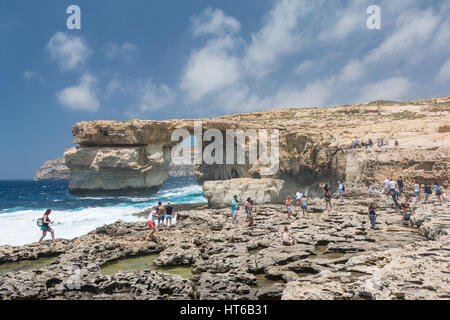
23 202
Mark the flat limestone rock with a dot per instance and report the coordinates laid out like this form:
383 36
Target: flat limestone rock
220 193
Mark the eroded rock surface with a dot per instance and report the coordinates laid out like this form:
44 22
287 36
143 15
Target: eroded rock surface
261 191
53 170
336 256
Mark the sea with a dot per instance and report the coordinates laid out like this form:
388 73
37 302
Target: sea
22 202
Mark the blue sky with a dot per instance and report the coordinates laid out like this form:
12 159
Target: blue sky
184 59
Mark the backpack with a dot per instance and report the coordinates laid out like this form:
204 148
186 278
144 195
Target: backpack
343 187
40 222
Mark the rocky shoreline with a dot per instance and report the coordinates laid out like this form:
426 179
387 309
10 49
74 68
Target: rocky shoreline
336 256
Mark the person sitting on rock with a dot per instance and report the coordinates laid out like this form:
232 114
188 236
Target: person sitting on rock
288 238
406 206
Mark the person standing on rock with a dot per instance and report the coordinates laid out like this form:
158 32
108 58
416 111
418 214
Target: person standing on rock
250 220
427 192
401 185
234 209
340 191
247 209
372 215
169 215
438 191
395 197
386 186
328 201
288 205
372 190
298 197
162 216
392 186
417 189
288 238
46 226
305 206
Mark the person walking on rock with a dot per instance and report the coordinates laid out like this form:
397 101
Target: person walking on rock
247 208
250 215
234 209
401 185
288 238
46 226
372 215
386 186
427 192
406 206
151 222
395 197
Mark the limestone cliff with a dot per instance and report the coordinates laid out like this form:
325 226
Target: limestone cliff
314 146
53 170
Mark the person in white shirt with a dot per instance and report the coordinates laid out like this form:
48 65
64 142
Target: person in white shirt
298 198
151 223
386 186
340 190
392 186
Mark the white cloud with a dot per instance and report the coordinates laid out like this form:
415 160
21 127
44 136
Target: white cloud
353 71
30 75
349 20
70 52
444 72
210 69
391 89
414 30
81 97
152 97
126 51
303 67
214 22
278 37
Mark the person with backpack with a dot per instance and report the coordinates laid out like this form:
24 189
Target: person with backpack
234 209
45 225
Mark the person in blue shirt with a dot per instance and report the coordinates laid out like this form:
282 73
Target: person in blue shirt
234 209
437 189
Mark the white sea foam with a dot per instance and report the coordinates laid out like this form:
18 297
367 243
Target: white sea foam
19 227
